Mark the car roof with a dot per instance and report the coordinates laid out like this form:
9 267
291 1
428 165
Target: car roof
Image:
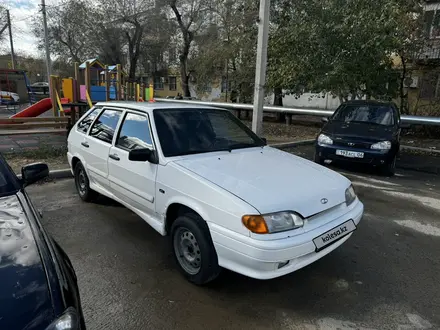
148 107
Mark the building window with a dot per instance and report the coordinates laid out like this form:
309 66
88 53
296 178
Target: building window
432 21
158 82
430 85
172 83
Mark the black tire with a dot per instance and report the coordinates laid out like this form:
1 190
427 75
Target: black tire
83 185
192 231
389 169
317 159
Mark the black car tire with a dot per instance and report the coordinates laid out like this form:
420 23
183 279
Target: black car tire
318 160
191 231
82 184
389 169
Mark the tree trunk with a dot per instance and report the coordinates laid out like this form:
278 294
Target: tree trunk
188 37
402 86
278 101
184 76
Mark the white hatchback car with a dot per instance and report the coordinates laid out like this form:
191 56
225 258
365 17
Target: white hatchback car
201 176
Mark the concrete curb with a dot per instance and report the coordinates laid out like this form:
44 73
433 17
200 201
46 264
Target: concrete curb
434 151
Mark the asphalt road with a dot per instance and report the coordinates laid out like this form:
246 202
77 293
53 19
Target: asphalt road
386 276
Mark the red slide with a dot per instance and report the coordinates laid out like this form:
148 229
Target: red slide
35 109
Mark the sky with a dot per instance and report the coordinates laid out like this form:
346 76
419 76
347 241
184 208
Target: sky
22 12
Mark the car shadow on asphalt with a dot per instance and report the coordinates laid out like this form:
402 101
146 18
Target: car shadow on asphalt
105 201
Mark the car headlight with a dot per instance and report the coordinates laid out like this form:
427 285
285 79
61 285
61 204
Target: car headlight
273 222
69 320
324 140
383 145
350 195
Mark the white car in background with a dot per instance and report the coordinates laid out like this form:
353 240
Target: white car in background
202 177
6 97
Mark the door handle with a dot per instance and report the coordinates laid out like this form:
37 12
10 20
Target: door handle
115 157
85 144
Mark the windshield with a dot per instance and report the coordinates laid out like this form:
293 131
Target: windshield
191 131
371 114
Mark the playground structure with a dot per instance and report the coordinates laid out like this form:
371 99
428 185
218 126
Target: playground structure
93 82
71 97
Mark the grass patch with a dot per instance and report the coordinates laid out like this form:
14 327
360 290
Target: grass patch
54 157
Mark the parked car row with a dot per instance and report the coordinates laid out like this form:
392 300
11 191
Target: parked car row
201 177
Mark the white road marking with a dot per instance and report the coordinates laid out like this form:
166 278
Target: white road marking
427 201
369 185
333 324
418 322
370 179
426 229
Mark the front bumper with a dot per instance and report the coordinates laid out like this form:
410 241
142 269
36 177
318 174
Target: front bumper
261 259
372 157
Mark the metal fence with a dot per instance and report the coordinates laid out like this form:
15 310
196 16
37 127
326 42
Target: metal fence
415 120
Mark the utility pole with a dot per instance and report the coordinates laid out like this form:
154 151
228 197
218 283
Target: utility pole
11 40
46 41
260 70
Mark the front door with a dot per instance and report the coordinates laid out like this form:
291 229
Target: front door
97 145
131 181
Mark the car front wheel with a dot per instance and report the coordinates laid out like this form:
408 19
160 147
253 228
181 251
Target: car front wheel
318 159
193 249
82 184
389 169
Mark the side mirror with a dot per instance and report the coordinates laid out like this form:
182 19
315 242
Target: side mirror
404 125
142 155
324 119
264 140
34 172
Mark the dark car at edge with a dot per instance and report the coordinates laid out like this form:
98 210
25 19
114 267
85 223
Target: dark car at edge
365 132
38 286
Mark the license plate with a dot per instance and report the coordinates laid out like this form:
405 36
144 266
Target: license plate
350 154
334 234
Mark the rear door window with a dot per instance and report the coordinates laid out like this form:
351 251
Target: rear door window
104 127
83 125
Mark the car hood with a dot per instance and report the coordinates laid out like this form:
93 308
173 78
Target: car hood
359 130
24 293
271 180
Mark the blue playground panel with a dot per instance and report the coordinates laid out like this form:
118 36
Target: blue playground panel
98 93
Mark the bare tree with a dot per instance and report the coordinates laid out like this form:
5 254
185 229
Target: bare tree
132 19
190 17
70 28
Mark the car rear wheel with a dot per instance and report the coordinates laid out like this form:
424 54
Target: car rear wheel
82 184
193 249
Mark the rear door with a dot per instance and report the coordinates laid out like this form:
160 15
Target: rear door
131 181
96 146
